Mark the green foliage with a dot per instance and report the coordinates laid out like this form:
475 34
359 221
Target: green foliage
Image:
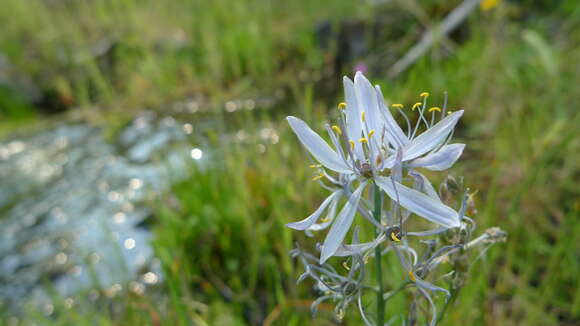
148 52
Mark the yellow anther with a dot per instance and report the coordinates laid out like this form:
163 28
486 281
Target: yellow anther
416 105
394 237
435 108
424 94
315 166
362 116
345 266
341 106
371 133
337 129
412 276
449 112
363 140
324 220
400 106
352 143
318 177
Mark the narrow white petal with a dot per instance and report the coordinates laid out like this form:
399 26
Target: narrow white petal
317 146
341 225
419 203
353 116
360 248
441 160
310 220
367 100
330 215
394 133
431 137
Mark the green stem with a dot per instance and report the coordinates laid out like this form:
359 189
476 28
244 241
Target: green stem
380 298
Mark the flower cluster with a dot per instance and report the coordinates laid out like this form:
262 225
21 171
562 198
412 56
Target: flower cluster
371 154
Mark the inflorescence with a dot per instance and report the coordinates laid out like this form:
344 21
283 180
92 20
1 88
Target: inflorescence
374 167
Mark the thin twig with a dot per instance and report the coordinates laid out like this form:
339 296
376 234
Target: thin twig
453 19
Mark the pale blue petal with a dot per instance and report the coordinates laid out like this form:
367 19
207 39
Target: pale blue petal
441 160
367 100
431 137
353 116
394 133
310 220
331 214
341 225
317 146
419 203
360 248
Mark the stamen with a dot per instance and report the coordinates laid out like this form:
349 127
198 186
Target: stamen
371 133
345 266
416 105
341 106
394 237
315 166
337 129
400 106
435 108
324 220
363 140
449 112
363 115
407 121
412 276
424 94
318 177
352 143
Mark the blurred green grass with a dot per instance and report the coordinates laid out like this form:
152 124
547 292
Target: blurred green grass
146 52
220 234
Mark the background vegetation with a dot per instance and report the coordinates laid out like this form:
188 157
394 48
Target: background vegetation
220 234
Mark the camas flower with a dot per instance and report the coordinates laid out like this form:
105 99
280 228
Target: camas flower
366 143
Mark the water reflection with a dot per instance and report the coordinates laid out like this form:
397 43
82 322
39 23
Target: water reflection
71 209
196 153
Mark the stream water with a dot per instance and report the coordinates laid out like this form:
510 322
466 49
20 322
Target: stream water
72 210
